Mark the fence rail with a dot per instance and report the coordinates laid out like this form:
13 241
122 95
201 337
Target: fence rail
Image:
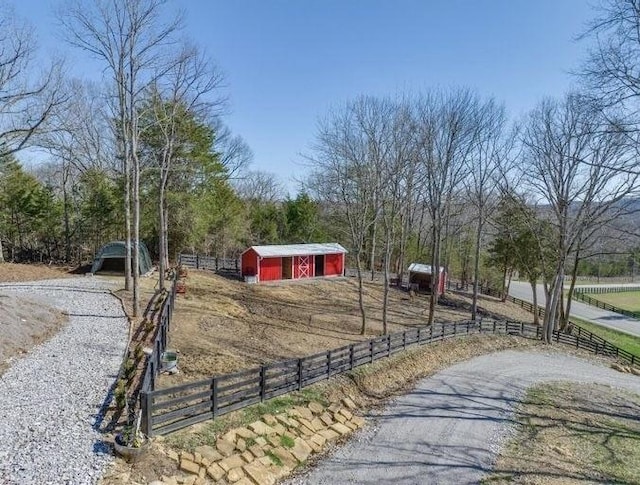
605 306
198 261
177 407
598 290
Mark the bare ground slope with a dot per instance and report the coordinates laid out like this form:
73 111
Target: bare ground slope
223 325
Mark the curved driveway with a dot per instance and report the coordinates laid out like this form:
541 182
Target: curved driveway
450 427
593 314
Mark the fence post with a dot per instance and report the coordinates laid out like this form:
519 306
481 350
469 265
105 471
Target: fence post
633 359
521 329
299 374
197 261
404 340
455 328
388 345
371 349
214 397
494 326
443 330
419 335
145 409
263 379
328 364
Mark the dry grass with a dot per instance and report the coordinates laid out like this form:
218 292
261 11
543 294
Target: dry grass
12 272
570 434
223 325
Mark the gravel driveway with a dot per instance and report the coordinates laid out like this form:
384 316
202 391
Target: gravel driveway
49 411
449 429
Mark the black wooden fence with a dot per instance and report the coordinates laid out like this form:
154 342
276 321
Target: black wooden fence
605 306
198 261
605 289
170 409
154 361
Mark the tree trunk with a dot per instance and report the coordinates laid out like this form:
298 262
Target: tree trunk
534 289
161 235
435 271
476 268
385 294
65 205
372 259
361 293
572 286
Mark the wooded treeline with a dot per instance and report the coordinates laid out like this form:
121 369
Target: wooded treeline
443 177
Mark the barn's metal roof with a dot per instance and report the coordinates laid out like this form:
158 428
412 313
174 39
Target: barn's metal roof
297 249
422 268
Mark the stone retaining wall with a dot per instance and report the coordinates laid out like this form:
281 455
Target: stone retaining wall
266 450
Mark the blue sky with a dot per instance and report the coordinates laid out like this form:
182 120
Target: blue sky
287 62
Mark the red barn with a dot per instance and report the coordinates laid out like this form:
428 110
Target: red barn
293 261
421 275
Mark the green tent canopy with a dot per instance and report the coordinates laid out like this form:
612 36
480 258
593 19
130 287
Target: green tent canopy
112 255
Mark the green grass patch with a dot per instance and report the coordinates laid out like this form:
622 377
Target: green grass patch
287 441
627 342
574 433
627 300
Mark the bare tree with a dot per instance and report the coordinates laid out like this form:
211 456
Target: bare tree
576 163
259 186
28 98
446 125
131 39
183 91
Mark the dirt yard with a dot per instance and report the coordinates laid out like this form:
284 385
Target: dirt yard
24 322
222 325
12 272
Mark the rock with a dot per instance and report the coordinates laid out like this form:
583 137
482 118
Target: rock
326 419
618 367
346 414
247 456
305 431
304 413
317 424
189 466
339 418
173 455
279 429
265 460
197 457
184 455
215 472
225 447
246 433
316 407
244 481
334 408
205 462
241 444
261 441
301 450
270 419
200 481
293 423
286 457
169 480
635 371
235 474
351 426
209 452
329 434
289 434
319 439
274 440
283 420
358 421
314 446
259 473
256 450
348 402
233 461
190 480
261 428
340 428
156 482
230 436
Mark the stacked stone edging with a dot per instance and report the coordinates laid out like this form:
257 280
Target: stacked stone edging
268 449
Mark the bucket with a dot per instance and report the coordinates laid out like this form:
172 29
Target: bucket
169 360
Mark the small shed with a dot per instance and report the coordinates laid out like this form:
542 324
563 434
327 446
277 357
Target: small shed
112 255
421 275
293 261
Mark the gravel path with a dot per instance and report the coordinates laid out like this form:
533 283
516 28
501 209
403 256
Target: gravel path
449 429
49 411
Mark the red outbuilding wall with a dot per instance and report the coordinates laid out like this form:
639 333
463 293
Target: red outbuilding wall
270 269
334 264
303 267
249 263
